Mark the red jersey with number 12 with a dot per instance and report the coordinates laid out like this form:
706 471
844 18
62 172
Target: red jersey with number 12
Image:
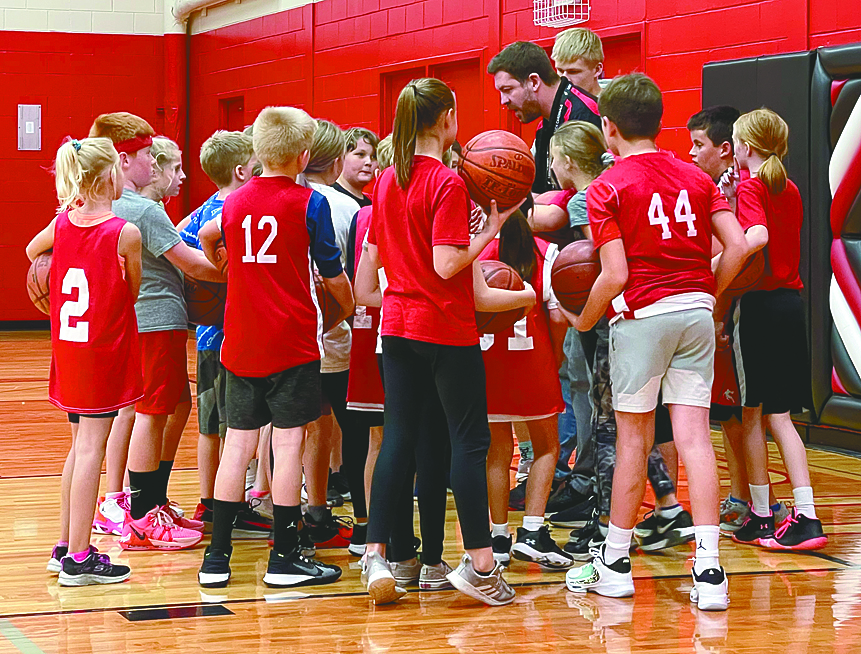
95 354
661 208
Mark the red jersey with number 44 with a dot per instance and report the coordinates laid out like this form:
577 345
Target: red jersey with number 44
520 366
95 354
661 208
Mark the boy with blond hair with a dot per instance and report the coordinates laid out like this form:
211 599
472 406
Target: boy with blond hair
152 523
579 58
273 230
228 160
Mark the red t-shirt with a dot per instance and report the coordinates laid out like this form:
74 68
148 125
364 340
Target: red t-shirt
781 214
434 210
661 208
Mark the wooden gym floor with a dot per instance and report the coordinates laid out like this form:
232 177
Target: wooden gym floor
780 601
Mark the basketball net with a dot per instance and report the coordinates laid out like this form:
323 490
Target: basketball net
560 13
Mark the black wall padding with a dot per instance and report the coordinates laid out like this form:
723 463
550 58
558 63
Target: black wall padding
841 61
820 238
842 411
852 247
849 95
852 221
843 365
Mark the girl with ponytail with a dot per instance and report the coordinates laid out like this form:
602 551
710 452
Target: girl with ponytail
770 333
419 233
95 362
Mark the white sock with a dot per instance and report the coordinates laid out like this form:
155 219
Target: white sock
707 556
498 530
618 544
533 522
759 498
803 497
669 511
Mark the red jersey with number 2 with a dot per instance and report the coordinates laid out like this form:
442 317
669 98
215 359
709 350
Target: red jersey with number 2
95 354
661 208
520 366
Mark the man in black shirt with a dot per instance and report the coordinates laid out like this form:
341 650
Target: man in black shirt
530 87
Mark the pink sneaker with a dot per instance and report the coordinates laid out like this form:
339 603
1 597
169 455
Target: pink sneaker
111 515
157 531
179 520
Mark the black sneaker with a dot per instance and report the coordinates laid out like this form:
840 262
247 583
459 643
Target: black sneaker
338 483
588 538
95 569
331 532
55 563
358 539
333 498
517 497
754 529
250 524
575 517
306 544
215 570
293 569
539 547
797 532
657 532
564 498
502 549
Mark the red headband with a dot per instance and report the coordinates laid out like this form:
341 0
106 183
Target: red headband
134 144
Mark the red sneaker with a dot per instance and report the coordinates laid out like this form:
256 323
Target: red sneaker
157 531
333 531
179 520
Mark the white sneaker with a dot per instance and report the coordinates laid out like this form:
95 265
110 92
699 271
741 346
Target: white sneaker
523 468
406 573
711 589
434 577
614 580
378 579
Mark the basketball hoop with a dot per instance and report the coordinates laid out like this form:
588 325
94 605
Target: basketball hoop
560 13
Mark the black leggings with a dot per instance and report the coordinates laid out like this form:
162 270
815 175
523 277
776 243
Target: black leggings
355 435
414 372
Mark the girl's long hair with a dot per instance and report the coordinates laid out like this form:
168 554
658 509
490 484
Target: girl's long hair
768 135
80 167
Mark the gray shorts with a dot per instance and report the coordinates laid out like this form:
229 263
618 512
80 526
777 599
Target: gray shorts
671 353
211 383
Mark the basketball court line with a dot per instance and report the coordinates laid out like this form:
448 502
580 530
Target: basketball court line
19 641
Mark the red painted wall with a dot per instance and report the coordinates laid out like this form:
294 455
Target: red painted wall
74 77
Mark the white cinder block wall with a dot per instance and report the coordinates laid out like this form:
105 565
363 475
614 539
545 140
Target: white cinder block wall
147 17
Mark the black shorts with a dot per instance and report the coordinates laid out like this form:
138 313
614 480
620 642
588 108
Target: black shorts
771 351
724 413
75 418
287 399
663 425
211 385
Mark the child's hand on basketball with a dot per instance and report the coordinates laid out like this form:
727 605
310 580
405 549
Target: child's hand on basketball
572 318
495 219
729 182
721 338
528 287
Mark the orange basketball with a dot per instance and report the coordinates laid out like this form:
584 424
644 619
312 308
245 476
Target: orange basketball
205 301
499 275
749 275
39 282
497 165
573 274
329 307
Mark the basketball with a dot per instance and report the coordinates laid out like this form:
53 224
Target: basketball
497 165
329 307
499 275
573 274
749 275
39 282
205 301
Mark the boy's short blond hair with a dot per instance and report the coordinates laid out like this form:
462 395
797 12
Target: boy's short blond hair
222 152
281 134
578 43
385 152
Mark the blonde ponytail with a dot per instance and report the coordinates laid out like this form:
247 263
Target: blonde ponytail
584 144
84 169
768 135
419 106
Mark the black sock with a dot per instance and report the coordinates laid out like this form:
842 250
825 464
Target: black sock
144 487
164 468
207 502
286 527
223 517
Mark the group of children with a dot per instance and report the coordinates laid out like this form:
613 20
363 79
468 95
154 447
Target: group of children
415 399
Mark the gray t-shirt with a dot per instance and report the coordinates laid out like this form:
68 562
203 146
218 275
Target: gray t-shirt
161 302
577 215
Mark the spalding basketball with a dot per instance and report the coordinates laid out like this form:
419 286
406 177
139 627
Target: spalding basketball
497 165
329 307
39 282
574 272
749 275
499 275
205 301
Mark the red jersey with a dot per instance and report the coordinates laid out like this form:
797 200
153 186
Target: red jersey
273 229
521 368
365 387
95 357
434 210
781 214
661 208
